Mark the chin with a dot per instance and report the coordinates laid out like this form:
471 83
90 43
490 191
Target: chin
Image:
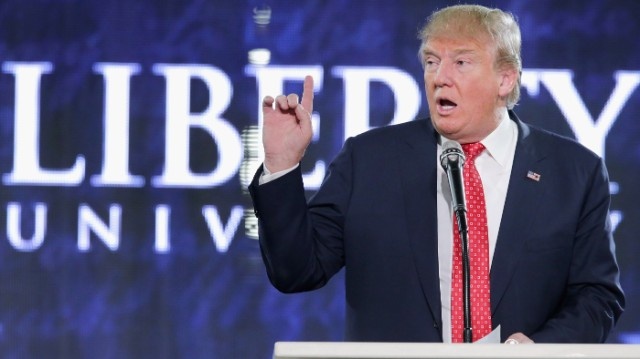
443 127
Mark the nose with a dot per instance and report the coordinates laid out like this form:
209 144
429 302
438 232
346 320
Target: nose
442 75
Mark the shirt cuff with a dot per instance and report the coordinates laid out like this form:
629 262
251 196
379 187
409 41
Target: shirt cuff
267 176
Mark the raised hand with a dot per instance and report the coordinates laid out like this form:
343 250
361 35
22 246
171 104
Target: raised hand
287 128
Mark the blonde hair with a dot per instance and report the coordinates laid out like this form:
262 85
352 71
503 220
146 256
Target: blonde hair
475 21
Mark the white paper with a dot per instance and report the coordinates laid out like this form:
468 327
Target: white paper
491 338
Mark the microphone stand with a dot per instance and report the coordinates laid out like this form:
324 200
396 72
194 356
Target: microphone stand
463 228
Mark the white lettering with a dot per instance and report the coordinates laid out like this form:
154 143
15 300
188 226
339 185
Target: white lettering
560 84
162 243
88 221
14 223
356 89
222 235
115 165
616 217
180 120
26 157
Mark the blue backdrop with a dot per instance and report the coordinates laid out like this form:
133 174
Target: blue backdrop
128 131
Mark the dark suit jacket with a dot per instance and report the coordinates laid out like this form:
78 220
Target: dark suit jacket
554 275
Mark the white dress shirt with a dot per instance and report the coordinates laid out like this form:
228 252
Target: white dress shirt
494 165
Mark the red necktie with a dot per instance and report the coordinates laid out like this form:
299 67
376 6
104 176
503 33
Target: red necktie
478 254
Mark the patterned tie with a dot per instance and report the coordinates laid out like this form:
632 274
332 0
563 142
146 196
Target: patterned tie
478 255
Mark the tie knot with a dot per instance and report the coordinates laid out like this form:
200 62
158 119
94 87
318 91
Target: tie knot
472 150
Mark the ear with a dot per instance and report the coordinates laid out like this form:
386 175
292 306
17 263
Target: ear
508 79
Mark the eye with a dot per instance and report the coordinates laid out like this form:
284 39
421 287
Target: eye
430 63
464 65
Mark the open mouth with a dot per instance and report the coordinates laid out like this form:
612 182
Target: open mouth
446 104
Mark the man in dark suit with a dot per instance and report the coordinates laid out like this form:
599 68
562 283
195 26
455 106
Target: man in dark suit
384 212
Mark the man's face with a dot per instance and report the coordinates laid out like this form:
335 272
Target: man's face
465 92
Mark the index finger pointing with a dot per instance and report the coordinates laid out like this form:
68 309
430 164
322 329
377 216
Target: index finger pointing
307 94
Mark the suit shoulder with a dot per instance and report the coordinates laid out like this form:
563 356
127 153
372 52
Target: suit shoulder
393 133
562 146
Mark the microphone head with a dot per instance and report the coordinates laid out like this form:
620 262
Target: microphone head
452 154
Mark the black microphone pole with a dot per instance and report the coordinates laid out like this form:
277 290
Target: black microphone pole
452 159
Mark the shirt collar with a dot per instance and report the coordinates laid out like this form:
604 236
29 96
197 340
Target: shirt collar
498 141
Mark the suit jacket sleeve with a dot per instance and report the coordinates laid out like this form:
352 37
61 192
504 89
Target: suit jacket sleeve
301 245
593 300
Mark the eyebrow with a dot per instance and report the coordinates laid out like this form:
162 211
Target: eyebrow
463 51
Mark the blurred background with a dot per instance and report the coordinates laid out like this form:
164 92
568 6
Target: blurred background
130 129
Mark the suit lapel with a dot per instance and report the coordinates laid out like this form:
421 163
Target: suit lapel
523 196
417 162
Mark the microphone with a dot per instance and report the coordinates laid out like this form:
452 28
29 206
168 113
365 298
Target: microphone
452 159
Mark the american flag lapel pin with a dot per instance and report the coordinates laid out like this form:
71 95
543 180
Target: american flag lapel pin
534 176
